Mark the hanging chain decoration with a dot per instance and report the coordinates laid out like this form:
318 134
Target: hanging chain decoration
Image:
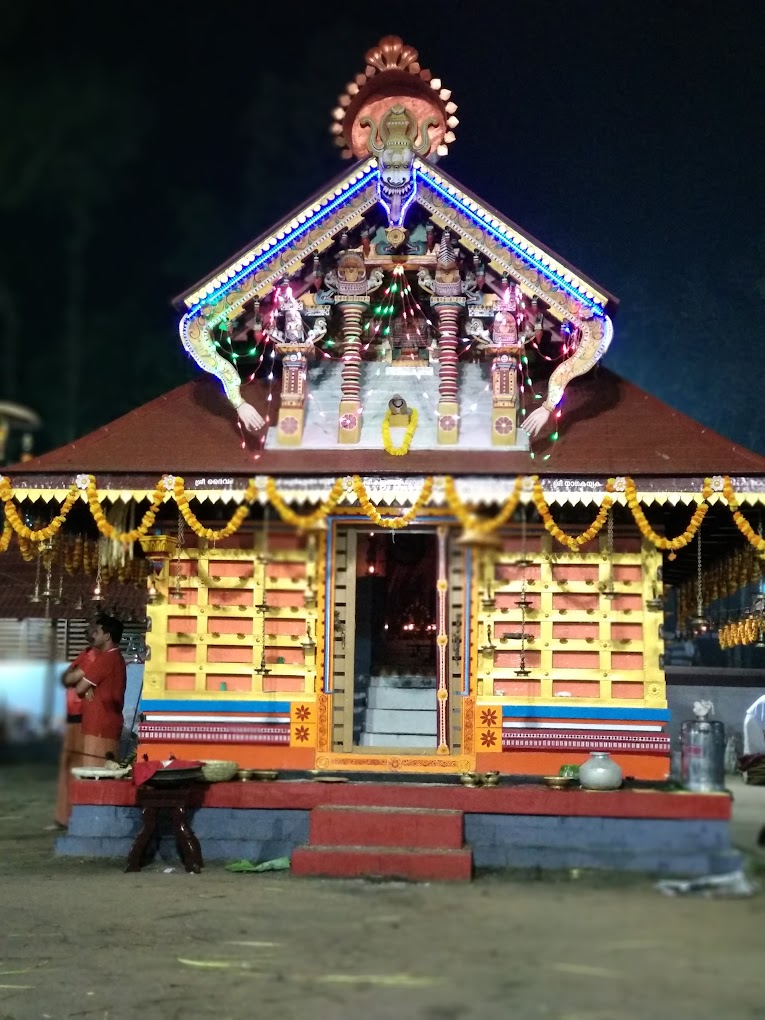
177 592
609 592
35 597
523 602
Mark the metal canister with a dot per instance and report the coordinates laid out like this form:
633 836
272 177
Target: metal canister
702 744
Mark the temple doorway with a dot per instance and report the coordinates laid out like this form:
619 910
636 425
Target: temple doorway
394 687
394 703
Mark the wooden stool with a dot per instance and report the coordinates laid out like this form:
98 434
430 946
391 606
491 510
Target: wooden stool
175 799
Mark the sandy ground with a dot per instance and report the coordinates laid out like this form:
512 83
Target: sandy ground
82 939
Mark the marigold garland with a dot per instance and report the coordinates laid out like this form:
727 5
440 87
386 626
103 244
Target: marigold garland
5 538
304 521
108 530
679 541
406 442
742 523
13 518
574 542
394 523
481 525
212 534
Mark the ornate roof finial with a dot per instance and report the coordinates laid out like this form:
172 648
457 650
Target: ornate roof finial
393 76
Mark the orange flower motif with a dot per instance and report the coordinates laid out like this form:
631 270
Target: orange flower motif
489 717
301 733
302 712
489 738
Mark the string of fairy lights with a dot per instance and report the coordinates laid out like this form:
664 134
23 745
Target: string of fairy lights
396 315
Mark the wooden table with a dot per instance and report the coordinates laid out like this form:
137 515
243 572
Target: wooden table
175 799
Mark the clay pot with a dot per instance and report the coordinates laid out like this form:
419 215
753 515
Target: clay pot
600 772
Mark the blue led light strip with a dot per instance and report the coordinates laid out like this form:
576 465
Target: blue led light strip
288 239
503 238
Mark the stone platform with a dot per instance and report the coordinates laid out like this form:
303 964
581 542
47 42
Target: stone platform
521 825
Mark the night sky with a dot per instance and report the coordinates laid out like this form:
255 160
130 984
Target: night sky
139 152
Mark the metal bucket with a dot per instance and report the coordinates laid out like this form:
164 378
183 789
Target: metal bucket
702 745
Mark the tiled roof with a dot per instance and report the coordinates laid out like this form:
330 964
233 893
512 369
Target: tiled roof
609 427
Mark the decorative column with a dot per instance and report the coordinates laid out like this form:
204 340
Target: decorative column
442 646
448 312
289 428
504 400
350 412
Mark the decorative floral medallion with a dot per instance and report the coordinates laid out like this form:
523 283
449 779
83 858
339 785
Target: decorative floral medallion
289 425
348 421
503 425
447 423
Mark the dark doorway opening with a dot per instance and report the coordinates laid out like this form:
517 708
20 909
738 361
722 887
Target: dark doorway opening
395 648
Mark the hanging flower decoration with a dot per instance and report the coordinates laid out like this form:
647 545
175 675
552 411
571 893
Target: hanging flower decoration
393 523
13 518
743 525
108 530
5 538
480 525
212 534
406 442
573 542
304 521
679 541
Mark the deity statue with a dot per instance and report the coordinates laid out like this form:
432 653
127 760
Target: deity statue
294 343
294 333
349 280
395 141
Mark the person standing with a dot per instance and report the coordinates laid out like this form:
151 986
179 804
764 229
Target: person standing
101 684
71 750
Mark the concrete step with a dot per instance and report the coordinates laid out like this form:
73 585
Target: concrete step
395 697
413 828
383 862
401 720
397 740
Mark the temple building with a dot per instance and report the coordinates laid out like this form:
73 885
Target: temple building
403 521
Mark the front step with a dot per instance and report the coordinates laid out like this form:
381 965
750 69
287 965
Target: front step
412 828
383 862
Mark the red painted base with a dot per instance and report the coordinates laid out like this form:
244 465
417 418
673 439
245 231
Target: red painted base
523 799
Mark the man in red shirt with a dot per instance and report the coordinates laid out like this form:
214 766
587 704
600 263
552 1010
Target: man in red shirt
71 750
100 684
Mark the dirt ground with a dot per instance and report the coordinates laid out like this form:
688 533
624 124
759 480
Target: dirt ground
82 939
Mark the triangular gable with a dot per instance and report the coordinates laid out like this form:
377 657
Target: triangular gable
256 269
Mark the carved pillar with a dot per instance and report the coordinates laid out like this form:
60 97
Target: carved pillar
289 428
442 645
448 312
504 400
349 422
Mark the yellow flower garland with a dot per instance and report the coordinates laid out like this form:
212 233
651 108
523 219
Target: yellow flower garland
574 542
479 525
394 523
679 541
742 523
108 530
304 521
211 534
13 518
406 442
5 538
